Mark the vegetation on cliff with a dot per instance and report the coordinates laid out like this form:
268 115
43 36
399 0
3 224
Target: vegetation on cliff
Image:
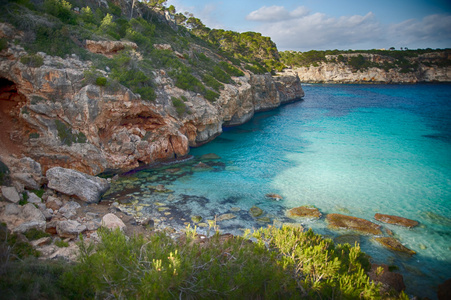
403 61
282 263
199 59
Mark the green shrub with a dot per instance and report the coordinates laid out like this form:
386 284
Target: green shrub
179 105
211 96
3 44
60 9
24 199
61 244
66 136
220 75
101 81
212 82
322 269
33 60
160 268
4 173
35 234
231 70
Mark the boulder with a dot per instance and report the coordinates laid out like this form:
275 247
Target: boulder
396 220
69 228
26 179
389 280
24 227
10 194
70 182
339 221
31 213
304 212
12 210
33 198
394 244
53 203
69 209
111 221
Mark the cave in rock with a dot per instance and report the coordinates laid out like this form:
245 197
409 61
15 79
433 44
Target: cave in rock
11 129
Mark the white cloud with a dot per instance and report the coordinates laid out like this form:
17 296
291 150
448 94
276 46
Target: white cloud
429 31
302 30
276 13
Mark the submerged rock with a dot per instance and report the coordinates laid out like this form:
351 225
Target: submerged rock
350 239
201 167
304 212
394 244
210 156
339 221
225 217
274 196
255 211
196 219
396 220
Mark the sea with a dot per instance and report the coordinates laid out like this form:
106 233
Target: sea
350 149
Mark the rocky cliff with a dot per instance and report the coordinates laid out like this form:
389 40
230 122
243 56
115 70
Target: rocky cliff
427 70
49 113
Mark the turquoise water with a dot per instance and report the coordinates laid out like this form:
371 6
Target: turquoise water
350 149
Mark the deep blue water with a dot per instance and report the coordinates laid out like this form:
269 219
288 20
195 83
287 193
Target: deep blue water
350 149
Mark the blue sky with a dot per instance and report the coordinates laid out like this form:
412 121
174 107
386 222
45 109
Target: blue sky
304 25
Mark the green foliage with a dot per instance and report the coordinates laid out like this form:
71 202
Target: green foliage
60 9
126 70
24 199
35 234
256 68
322 269
61 244
66 136
33 60
160 268
212 82
33 279
4 173
3 44
39 192
211 96
220 75
12 247
231 70
101 81
392 59
179 105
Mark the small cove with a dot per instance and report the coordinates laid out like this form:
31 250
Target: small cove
350 149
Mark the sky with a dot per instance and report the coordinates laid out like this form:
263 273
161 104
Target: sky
304 25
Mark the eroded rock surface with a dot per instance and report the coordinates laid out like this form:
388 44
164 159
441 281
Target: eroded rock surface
304 212
396 220
73 183
339 221
393 244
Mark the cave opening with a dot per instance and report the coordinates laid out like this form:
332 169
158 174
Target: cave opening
11 101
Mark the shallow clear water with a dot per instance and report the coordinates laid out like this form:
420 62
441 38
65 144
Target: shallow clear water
350 149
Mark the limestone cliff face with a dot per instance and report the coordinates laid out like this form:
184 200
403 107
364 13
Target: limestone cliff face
49 114
336 72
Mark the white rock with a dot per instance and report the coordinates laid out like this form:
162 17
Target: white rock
69 228
111 221
10 194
